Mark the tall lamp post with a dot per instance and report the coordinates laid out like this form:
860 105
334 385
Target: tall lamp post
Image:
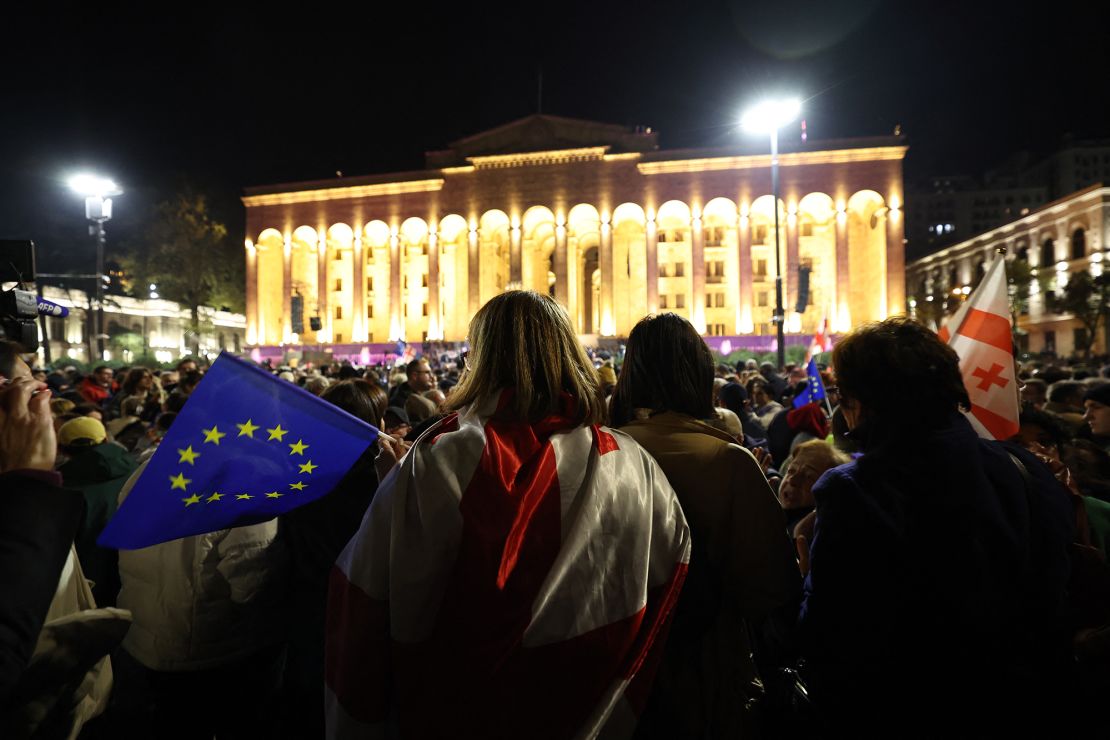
98 209
768 117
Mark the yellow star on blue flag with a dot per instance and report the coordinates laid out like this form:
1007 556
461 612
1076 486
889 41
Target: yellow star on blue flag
236 395
815 389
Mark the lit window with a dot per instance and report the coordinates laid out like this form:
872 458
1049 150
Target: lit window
338 312
679 269
370 311
680 300
663 301
338 284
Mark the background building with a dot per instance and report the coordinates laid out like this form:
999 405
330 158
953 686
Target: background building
1057 240
136 328
594 214
946 209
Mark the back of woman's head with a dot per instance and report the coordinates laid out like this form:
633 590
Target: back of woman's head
901 374
359 398
667 367
523 340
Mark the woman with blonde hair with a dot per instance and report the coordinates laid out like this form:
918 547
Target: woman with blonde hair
517 565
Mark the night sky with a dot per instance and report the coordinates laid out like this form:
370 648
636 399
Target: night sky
229 97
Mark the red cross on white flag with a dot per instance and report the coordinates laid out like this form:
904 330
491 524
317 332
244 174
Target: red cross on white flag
981 334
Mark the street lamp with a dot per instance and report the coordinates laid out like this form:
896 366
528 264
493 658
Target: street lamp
98 209
768 117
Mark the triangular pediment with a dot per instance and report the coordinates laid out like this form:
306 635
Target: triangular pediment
546 133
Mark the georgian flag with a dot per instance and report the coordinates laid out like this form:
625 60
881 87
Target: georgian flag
822 342
981 332
509 580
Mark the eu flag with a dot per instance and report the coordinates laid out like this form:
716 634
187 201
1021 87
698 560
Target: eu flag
246 447
815 389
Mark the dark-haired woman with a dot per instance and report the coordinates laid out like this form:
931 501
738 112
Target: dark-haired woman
316 533
139 383
939 565
742 567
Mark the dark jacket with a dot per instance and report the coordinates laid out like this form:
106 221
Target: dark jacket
99 473
937 585
316 534
38 521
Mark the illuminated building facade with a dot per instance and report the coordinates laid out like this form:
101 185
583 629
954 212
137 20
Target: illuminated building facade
594 214
1059 239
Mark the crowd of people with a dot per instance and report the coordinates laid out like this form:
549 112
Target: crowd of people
864 564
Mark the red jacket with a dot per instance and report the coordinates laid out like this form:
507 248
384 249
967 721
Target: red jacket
93 392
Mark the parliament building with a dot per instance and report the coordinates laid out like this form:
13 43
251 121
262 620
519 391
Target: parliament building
596 215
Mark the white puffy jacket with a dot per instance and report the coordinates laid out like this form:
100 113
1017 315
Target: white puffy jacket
203 601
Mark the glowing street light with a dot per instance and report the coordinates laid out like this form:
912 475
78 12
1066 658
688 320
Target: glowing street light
768 117
97 192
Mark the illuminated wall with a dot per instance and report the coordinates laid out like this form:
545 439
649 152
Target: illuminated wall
611 235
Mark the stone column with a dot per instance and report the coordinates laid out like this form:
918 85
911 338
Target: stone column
287 291
255 333
435 320
607 323
322 288
514 253
562 288
895 297
474 273
396 298
745 324
790 265
697 278
843 320
358 291
651 237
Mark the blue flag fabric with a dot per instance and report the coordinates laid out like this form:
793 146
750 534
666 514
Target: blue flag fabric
246 447
815 389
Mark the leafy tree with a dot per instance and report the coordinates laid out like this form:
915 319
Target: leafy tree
1086 298
187 253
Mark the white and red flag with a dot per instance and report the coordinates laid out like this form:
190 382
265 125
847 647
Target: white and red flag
822 342
981 332
509 580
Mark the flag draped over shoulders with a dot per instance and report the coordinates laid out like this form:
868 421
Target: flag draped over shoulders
509 580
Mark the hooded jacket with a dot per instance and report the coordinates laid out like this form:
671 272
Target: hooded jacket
98 473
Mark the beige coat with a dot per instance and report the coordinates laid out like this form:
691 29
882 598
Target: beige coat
742 568
204 601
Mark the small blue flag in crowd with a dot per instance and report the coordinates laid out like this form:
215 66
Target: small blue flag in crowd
246 447
815 389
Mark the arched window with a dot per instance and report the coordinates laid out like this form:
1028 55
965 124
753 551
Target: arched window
1048 253
1078 244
